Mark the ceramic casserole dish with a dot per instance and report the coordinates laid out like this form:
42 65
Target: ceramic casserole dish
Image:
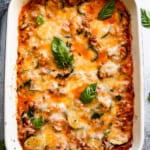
11 135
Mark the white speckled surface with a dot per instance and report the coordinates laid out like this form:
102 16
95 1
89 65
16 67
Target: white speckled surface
146 51
146 55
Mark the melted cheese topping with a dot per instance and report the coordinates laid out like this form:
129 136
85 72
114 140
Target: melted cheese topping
49 107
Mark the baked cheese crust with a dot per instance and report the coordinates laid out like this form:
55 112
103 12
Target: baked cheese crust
74 76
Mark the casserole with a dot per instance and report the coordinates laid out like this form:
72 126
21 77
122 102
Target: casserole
13 75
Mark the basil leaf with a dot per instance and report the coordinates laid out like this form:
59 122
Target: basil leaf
61 54
97 115
107 10
145 18
68 44
88 94
40 19
30 113
118 97
2 145
106 132
148 97
38 122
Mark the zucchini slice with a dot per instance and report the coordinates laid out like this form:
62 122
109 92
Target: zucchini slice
94 142
117 137
34 142
79 9
107 70
75 121
94 49
65 75
118 141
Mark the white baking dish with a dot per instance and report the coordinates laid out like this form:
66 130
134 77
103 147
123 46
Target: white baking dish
10 75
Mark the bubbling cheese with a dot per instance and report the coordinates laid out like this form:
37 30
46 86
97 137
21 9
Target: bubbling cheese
88 104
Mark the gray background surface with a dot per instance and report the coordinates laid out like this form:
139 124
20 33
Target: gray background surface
146 64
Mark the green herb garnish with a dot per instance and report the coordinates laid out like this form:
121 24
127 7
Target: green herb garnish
38 122
40 19
79 31
2 145
68 36
118 97
86 34
145 18
106 132
25 84
88 94
97 115
110 124
111 90
107 10
30 113
61 53
105 35
148 97
68 44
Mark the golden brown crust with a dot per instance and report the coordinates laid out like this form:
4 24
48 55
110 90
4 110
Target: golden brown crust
102 55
